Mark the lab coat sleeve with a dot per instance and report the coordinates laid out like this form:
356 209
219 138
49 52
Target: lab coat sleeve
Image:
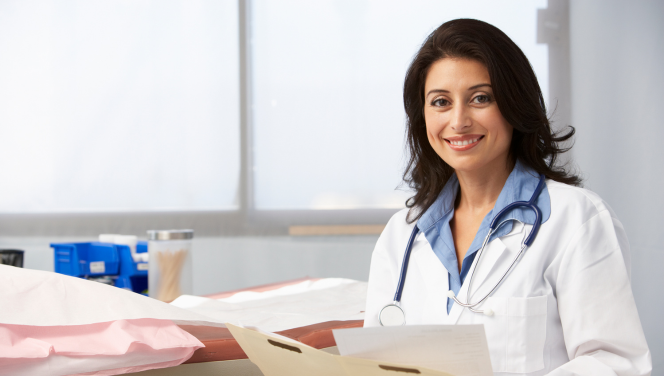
601 326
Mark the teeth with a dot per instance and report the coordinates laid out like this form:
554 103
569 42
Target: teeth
464 143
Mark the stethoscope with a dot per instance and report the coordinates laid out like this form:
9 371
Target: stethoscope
393 315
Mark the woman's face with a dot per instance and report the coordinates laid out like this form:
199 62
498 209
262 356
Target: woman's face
464 125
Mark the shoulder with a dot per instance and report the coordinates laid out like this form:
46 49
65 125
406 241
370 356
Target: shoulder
398 224
396 231
585 223
399 218
575 202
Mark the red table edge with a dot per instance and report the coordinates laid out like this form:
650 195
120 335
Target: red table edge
225 347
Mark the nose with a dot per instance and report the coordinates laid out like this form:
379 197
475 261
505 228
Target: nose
460 118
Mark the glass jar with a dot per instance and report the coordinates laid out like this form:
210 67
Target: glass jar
170 270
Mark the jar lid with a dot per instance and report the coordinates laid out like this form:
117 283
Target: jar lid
170 234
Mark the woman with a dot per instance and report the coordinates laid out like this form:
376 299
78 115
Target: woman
479 140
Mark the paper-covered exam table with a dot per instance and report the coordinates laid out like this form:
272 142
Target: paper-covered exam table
305 310
290 329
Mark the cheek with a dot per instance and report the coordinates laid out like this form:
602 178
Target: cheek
499 127
434 127
431 135
505 132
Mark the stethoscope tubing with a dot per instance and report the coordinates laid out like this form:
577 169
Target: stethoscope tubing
404 265
493 227
531 204
472 306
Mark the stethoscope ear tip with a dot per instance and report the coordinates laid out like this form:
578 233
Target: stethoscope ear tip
450 294
488 312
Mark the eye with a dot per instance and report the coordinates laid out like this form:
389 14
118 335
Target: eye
440 102
481 99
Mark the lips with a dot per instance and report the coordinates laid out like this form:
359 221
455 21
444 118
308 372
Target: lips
463 143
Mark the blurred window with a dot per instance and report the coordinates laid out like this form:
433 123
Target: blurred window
135 105
327 77
119 105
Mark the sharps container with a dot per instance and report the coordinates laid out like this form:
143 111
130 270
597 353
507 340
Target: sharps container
170 270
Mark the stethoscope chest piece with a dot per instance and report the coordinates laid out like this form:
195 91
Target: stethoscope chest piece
392 315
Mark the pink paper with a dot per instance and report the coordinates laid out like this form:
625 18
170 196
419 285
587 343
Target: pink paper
107 348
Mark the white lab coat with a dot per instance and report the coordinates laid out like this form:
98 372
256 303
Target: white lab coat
566 308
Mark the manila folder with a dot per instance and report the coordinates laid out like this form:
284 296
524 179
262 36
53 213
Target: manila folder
276 355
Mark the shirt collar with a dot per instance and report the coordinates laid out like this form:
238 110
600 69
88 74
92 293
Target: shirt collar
519 186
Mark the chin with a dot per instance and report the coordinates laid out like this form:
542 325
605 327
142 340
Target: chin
476 163
465 165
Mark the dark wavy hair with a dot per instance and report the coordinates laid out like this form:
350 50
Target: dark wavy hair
517 94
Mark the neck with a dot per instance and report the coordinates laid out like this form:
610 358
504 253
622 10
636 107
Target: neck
479 189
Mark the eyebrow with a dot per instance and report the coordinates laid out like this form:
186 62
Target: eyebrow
446 91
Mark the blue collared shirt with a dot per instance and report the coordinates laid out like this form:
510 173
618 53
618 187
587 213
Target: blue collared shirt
435 222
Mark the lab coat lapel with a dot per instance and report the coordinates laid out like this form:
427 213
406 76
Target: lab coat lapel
436 286
456 310
495 260
489 263
492 258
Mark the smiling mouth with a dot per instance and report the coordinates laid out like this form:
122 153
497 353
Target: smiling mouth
463 144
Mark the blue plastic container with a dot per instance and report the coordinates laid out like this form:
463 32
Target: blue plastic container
142 247
133 275
86 259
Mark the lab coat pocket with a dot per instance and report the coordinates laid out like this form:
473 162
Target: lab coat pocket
516 333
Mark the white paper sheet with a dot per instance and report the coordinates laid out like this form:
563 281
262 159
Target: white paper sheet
34 297
307 303
458 349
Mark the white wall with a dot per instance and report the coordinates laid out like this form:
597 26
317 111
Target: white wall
617 55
